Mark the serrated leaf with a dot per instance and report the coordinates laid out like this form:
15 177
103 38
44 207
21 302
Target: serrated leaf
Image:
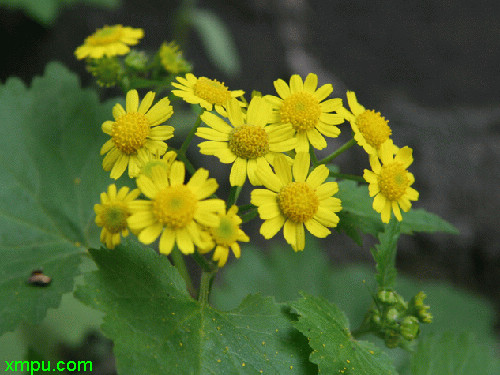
385 255
46 11
453 353
157 328
358 215
217 40
51 176
335 351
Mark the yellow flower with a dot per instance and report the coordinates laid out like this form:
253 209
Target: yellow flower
303 106
109 41
246 140
176 212
226 236
208 93
390 182
112 214
370 128
292 204
155 160
135 134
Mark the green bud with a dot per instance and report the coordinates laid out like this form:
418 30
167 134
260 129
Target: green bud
136 60
418 309
410 328
392 315
171 59
106 70
387 297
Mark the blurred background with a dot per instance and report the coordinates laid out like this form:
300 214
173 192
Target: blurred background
430 67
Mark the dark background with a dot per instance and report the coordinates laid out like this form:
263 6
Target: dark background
431 67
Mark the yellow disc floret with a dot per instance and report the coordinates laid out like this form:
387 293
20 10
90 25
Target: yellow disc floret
249 141
393 181
374 127
302 110
298 201
212 91
174 206
130 131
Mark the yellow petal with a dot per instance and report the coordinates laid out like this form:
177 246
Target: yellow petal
119 166
167 241
184 241
151 233
146 102
301 166
318 176
272 226
282 88
316 229
316 139
132 101
238 172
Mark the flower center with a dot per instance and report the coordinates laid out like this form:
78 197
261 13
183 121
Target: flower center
174 206
226 233
130 131
115 217
212 91
374 128
298 201
302 110
393 181
249 141
106 35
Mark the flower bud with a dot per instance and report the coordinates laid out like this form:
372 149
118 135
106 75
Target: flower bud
410 328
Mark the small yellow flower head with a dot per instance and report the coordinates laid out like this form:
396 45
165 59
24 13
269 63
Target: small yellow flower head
390 181
370 128
206 92
172 60
135 134
175 212
109 41
292 203
226 236
112 214
107 71
303 105
155 160
245 140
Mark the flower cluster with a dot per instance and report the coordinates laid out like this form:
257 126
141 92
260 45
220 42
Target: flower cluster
268 141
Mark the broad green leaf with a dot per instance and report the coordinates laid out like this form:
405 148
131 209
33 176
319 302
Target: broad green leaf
157 328
385 255
217 40
46 11
51 177
453 353
335 351
358 215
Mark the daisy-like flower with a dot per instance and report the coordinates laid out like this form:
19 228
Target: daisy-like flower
109 41
206 92
370 128
172 60
226 236
292 203
390 182
176 212
302 105
112 214
135 134
245 140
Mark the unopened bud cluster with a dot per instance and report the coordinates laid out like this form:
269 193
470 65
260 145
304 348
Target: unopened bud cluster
395 320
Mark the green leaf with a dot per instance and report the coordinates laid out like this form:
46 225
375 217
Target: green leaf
46 11
453 353
385 255
157 328
217 39
358 215
335 351
51 177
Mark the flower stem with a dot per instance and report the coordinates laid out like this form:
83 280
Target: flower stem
179 263
234 193
337 152
189 137
205 287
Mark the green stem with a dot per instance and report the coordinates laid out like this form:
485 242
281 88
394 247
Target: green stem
205 265
340 150
179 263
234 193
205 287
190 168
347 176
189 137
